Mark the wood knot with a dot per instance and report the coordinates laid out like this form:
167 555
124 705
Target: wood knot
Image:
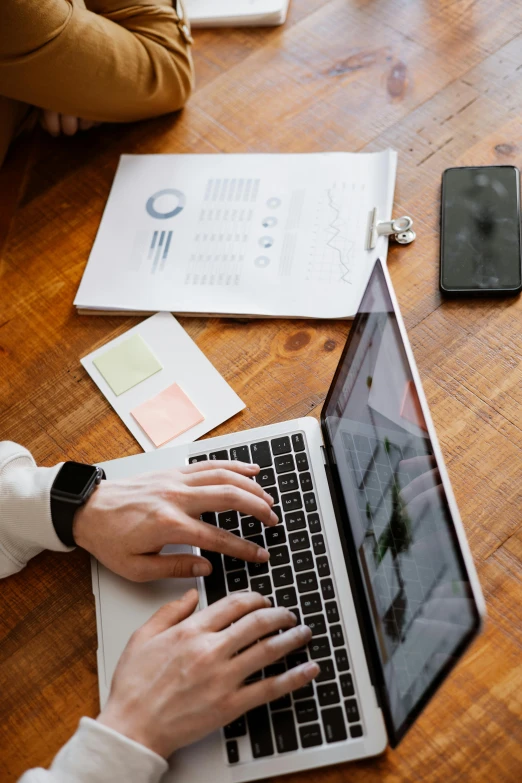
353 63
297 341
329 345
505 149
396 81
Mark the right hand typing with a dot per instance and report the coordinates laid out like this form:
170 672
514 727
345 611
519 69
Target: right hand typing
182 675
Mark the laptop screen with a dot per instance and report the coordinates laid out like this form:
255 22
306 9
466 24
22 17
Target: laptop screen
397 520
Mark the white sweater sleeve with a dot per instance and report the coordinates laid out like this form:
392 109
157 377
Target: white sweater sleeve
97 754
26 526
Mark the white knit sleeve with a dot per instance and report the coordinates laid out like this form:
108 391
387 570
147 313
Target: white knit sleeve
97 754
26 526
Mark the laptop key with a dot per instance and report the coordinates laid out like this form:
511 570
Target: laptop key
356 731
306 711
277 511
283 703
288 482
310 502
333 722
328 694
284 464
236 729
327 589
232 752
296 659
257 569
306 582
233 563
250 526
347 685
301 461
336 632
281 446
237 580
323 566
295 521
258 721
306 482
318 545
292 501
352 711
199 458
303 693
282 576
215 586
275 669
273 492
343 664
228 520
310 735
327 671
240 453
314 523
316 623
311 603
284 731
257 539
299 541
275 535
209 518
261 454
286 597
266 477
297 613
303 561
223 454
319 648
332 612
298 442
261 584
279 555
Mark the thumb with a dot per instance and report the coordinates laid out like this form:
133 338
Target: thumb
169 615
172 567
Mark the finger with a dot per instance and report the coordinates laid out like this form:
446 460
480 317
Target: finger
421 484
273 688
84 125
417 464
151 567
238 467
69 124
51 122
226 497
270 650
428 501
204 536
223 476
168 615
229 610
253 626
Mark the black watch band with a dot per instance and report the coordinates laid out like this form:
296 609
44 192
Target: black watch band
71 489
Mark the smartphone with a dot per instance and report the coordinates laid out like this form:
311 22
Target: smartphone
480 249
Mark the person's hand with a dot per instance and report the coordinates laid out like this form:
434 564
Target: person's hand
56 124
125 524
181 676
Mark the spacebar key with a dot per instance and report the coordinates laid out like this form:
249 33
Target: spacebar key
259 730
215 585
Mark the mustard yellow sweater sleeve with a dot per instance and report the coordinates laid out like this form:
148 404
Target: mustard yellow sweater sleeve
112 61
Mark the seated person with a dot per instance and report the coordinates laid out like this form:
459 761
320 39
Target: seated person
182 674
89 61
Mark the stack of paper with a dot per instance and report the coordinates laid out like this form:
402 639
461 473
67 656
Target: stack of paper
241 235
236 13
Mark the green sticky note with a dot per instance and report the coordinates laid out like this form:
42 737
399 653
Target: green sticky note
127 364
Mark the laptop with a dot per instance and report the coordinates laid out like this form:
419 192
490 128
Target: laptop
370 553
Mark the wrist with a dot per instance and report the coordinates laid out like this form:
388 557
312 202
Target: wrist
83 518
128 727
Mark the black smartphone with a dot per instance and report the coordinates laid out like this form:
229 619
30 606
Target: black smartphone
480 249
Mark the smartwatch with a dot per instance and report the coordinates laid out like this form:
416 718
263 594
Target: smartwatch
72 488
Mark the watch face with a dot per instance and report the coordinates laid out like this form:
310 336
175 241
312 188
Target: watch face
74 477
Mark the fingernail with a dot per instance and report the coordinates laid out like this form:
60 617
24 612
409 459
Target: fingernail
268 602
274 518
269 499
253 468
200 569
262 555
292 615
311 669
304 631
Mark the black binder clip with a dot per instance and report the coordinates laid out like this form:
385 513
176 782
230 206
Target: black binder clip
399 229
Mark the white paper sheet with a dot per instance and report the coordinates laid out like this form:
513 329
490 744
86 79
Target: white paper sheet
265 235
183 363
214 13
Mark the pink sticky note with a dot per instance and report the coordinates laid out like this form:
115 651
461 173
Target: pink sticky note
167 415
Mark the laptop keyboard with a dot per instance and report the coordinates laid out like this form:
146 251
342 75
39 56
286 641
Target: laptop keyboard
298 577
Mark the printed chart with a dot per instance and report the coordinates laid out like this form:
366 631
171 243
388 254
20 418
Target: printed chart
332 251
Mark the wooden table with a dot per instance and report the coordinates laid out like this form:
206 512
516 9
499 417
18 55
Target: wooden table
442 84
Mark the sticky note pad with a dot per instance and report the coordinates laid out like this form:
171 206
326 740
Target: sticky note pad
127 364
167 415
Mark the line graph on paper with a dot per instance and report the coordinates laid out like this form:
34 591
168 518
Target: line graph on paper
332 252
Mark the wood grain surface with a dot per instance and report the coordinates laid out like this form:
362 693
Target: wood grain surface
441 82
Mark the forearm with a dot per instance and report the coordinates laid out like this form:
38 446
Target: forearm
97 754
26 526
128 61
